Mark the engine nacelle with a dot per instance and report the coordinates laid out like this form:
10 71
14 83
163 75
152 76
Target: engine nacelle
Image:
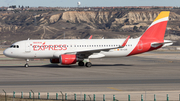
67 59
56 60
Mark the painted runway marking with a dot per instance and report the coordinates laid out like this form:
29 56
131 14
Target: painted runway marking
114 88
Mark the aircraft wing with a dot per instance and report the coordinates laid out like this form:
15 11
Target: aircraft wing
89 52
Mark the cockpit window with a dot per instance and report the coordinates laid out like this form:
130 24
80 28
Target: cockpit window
14 46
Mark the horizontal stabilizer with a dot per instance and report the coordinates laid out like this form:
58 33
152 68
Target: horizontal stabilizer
165 43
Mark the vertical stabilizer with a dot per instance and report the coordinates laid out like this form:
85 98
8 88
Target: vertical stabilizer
153 38
158 28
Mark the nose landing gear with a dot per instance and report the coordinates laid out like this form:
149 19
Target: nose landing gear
26 65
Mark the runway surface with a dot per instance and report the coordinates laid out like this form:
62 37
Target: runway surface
147 72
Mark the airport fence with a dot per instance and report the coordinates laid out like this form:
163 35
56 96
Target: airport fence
96 96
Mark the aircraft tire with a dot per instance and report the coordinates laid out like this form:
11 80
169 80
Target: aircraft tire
81 63
26 65
88 64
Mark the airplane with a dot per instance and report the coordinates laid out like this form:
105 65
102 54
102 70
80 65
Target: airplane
72 51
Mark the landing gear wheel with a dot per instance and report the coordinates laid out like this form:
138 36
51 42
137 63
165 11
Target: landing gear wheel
26 65
81 63
88 64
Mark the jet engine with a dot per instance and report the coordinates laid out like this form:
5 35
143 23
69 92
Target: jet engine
65 59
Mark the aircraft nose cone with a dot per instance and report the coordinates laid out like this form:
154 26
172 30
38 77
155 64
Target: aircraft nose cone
6 52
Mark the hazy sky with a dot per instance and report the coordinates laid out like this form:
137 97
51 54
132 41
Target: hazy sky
89 3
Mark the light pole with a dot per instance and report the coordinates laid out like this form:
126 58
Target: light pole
33 94
5 95
62 96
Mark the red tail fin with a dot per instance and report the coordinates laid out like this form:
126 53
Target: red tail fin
157 29
153 35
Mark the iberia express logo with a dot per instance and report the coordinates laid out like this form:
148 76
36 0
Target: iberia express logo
43 46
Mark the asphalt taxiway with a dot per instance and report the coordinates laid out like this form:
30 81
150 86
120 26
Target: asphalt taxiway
155 71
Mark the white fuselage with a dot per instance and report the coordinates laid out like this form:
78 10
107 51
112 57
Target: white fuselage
28 49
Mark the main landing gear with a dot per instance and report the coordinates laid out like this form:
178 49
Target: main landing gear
81 63
88 64
26 65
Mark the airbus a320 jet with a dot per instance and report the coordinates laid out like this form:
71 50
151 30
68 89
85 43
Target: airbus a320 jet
72 51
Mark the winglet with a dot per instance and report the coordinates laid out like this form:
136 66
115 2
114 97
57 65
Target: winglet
90 37
125 42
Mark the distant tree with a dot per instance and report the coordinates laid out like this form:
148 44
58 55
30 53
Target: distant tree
141 27
67 21
19 6
13 6
22 7
135 28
